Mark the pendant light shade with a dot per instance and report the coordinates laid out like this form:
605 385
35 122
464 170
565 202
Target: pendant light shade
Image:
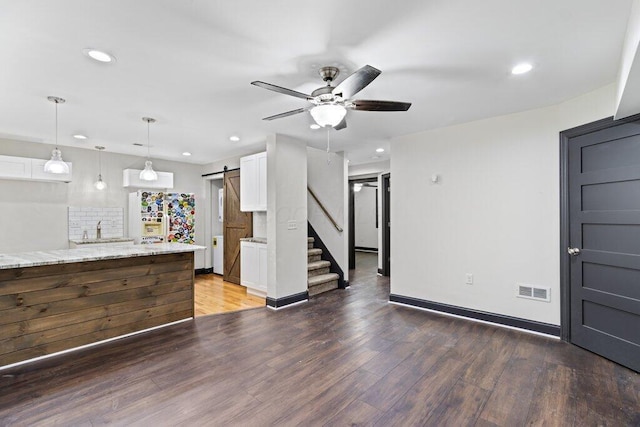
148 174
100 184
328 114
56 164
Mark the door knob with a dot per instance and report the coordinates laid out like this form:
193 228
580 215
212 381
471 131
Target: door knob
573 251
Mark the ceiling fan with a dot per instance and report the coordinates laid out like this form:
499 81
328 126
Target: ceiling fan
329 104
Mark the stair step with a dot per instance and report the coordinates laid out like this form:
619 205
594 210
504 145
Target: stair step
310 241
317 268
322 283
314 255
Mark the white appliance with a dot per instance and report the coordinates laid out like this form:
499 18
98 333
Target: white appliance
218 255
158 217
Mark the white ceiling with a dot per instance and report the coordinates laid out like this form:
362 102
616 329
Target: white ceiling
189 64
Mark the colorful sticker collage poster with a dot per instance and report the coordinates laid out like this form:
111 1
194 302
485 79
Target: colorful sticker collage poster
151 206
182 215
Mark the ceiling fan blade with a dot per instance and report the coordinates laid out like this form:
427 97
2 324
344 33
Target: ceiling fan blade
356 82
341 125
288 113
282 90
369 105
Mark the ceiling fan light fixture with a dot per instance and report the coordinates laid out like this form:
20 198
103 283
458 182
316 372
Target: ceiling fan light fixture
328 114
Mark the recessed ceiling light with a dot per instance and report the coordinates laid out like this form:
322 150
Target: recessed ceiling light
379 150
375 157
186 153
315 126
79 136
522 68
99 55
234 138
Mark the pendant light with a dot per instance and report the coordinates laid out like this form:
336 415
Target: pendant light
100 184
148 174
56 164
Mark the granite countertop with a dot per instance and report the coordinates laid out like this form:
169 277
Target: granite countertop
104 240
89 253
254 240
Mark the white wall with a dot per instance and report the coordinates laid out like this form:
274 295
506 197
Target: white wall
369 169
628 92
495 212
35 213
365 230
286 203
329 182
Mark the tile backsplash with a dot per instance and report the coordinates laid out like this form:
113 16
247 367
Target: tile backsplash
81 219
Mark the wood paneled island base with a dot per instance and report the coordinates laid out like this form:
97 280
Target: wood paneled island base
49 308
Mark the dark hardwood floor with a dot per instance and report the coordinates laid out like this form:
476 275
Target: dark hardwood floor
347 357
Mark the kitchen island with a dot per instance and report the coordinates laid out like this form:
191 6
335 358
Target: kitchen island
56 300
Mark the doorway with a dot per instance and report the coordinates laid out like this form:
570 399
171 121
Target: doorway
600 238
366 224
237 225
213 294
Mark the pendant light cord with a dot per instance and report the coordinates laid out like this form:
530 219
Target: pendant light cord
56 124
148 142
328 147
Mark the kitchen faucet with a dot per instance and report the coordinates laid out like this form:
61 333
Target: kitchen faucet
98 230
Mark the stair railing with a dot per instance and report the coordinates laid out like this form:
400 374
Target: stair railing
326 212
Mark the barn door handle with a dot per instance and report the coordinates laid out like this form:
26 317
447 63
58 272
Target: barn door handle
573 251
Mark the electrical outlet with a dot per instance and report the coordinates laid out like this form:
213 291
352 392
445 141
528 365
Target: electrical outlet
292 225
469 279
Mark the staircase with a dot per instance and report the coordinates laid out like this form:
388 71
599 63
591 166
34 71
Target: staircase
320 279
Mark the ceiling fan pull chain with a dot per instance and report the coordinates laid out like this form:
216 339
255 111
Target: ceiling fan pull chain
328 147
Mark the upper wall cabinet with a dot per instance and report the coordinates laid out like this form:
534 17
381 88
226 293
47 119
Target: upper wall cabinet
131 179
253 183
29 169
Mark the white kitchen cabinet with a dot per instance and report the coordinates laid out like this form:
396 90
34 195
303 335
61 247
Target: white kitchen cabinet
29 169
15 167
253 183
131 179
253 267
38 173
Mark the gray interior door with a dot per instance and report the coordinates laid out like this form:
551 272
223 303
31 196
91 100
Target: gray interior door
604 241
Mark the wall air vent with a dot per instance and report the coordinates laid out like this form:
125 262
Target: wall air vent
538 293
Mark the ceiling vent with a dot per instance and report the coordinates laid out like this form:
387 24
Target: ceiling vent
539 293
